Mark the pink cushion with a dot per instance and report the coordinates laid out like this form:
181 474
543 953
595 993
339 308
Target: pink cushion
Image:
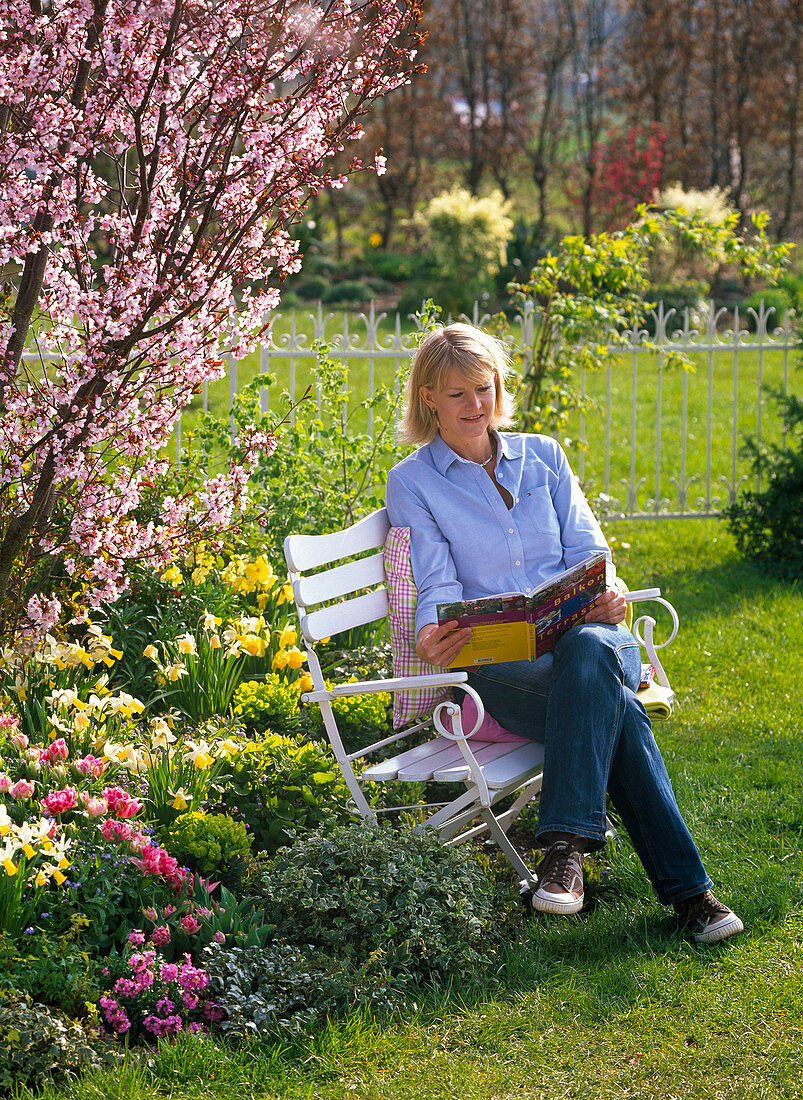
403 596
490 730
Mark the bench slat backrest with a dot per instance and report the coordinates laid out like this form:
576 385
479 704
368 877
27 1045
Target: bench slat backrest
317 590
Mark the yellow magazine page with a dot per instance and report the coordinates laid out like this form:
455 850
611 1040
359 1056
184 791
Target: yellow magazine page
499 625
493 643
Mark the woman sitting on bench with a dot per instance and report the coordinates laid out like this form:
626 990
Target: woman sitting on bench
490 512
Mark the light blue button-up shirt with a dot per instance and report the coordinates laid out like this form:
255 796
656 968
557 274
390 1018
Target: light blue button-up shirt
464 541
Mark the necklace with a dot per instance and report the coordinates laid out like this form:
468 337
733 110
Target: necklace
487 460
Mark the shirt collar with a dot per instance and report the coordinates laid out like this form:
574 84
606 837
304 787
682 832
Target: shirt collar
443 456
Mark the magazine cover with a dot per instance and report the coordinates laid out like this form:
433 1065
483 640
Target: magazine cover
514 627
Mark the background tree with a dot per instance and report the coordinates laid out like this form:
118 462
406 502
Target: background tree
152 159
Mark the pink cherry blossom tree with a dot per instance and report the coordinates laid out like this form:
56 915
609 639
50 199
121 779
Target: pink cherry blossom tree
153 156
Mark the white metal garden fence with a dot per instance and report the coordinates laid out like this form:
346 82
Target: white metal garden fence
660 443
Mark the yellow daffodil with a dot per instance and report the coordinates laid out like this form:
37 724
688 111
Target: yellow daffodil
295 658
210 622
181 799
176 671
279 661
226 747
253 646
199 753
285 594
214 642
305 683
151 652
186 645
288 637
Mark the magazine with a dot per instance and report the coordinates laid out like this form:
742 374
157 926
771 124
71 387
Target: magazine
515 627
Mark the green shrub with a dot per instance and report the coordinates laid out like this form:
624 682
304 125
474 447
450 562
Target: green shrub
283 989
38 1045
680 297
768 525
267 706
468 237
206 842
56 972
396 903
312 288
775 298
348 291
276 786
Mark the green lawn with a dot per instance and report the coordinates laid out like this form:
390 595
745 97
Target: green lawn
612 1003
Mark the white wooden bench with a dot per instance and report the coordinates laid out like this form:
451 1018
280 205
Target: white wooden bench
334 593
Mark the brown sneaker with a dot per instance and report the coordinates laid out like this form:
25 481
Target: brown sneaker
706 919
560 878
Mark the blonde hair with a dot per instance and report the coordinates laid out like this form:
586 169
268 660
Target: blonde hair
470 351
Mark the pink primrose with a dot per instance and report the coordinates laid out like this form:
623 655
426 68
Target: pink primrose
169 972
137 937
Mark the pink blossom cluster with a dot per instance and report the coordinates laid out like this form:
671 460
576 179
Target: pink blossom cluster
230 130
178 989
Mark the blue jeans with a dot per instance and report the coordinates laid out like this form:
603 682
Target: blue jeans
579 701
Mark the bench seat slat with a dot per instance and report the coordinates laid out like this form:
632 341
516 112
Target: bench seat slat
485 752
389 769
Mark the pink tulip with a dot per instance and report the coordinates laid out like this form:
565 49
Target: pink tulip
5 783
21 790
19 740
58 802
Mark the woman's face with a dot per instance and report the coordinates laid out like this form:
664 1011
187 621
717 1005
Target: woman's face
465 409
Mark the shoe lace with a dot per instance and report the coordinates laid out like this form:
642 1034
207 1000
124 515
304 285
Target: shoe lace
560 865
704 908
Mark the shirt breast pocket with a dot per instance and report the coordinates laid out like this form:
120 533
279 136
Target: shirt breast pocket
536 513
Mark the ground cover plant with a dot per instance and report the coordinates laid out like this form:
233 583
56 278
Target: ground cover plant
650 1013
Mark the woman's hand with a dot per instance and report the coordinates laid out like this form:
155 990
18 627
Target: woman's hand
610 608
439 644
